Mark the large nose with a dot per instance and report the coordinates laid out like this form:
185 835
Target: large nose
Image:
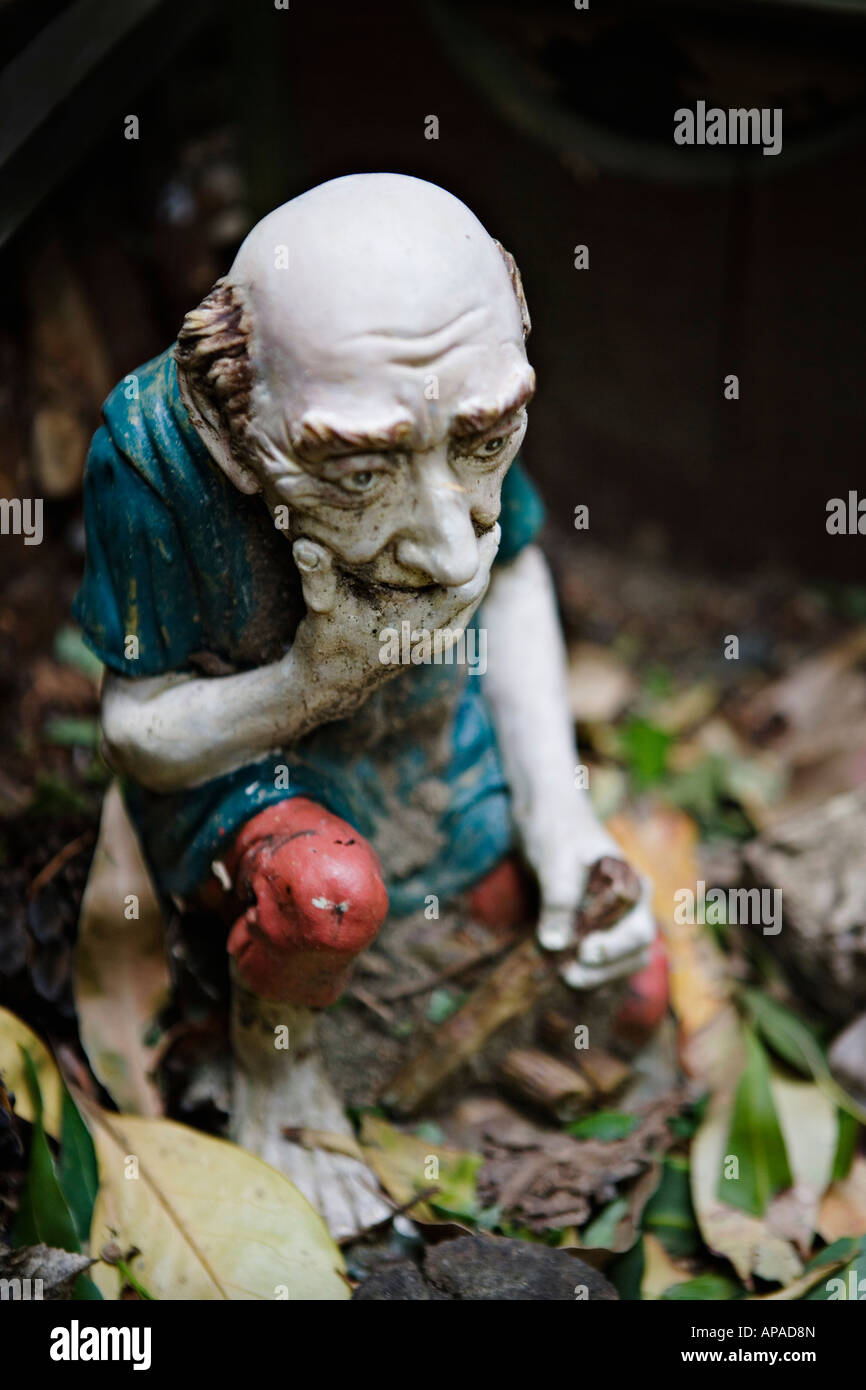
440 539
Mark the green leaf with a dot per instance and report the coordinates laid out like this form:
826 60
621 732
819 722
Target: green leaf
844 1285
69 648
709 1287
43 1214
796 1043
600 1234
755 1138
604 1124
458 1192
443 1003
786 1034
646 748
669 1213
846 1146
847 1247
626 1272
79 1176
687 1124
71 732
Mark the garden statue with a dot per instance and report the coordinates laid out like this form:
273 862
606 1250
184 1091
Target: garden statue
293 516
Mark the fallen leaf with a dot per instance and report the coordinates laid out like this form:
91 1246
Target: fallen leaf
600 685
407 1165
795 1291
743 1239
546 1180
810 1125
843 1208
826 757
662 844
210 1220
659 1271
703 1288
755 1145
765 1245
15 1036
121 973
57 1269
43 1216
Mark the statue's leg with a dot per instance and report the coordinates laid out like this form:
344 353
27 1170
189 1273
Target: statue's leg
312 898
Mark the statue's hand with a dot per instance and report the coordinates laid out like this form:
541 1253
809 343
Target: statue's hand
603 955
340 639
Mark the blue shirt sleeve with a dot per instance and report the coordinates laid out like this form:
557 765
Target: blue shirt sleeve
137 580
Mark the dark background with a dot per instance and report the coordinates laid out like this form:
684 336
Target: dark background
556 128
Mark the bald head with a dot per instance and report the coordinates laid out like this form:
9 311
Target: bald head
366 261
371 315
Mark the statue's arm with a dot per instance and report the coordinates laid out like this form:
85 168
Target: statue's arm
176 731
526 685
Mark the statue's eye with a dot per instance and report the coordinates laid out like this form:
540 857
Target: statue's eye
359 482
492 446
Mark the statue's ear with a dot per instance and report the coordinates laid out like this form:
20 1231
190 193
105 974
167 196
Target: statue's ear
215 379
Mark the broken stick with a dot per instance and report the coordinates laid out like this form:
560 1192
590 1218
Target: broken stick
515 985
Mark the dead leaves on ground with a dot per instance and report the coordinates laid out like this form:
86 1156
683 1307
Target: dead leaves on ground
200 1218
546 1182
208 1219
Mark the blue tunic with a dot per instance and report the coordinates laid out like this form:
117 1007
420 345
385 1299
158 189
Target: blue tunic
198 573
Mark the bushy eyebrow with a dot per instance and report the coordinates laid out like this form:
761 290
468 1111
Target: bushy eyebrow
314 439
480 418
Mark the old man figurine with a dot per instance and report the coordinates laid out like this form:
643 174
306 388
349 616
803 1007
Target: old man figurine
327 454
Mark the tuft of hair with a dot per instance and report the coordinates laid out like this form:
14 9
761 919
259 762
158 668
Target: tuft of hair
517 286
213 357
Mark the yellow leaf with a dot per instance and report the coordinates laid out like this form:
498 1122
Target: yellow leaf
211 1221
13 1036
406 1165
659 1270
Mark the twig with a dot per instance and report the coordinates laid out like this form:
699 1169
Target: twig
57 861
512 988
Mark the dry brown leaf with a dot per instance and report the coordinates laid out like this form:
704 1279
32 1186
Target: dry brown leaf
600 685
826 757
546 1180
121 973
843 1209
